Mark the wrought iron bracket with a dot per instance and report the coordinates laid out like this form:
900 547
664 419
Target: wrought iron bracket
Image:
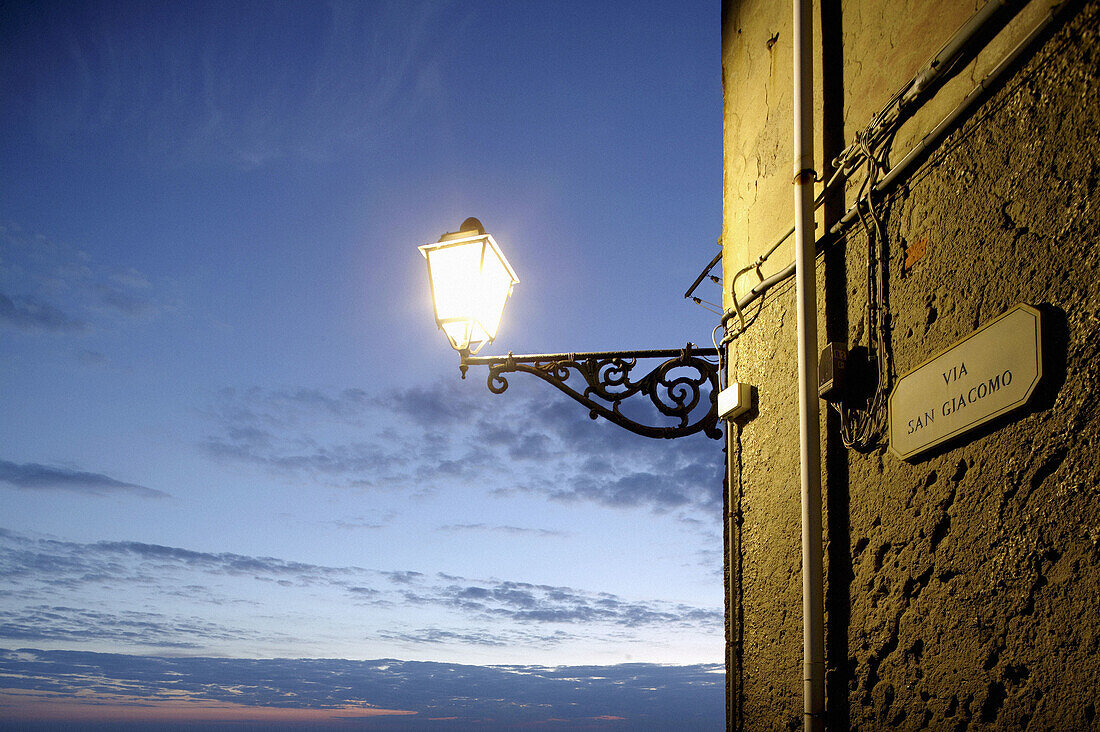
675 386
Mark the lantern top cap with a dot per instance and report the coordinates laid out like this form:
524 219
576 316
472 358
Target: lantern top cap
470 227
471 224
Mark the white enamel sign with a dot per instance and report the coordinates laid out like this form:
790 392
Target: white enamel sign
992 371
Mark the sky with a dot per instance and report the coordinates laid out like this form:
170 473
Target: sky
233 444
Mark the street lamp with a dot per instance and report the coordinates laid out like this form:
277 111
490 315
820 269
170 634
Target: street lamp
471 281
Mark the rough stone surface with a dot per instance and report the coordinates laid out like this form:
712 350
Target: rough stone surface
962 587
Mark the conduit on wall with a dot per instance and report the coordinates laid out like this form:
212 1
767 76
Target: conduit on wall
809 429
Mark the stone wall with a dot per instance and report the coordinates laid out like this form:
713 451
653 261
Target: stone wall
962 587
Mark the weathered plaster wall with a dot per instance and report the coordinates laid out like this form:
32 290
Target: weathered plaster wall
756 77
876 46
962 588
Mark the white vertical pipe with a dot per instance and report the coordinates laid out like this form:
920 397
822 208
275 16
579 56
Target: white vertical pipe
813 612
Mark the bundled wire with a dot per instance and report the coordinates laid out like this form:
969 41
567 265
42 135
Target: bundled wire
861 428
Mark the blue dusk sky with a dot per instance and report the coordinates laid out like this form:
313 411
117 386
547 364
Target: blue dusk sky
238 466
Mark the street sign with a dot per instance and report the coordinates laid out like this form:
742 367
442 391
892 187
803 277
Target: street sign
990 372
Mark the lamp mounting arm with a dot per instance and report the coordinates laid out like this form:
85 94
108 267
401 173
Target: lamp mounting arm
675 386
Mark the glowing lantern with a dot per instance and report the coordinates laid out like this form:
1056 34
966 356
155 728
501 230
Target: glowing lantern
471 282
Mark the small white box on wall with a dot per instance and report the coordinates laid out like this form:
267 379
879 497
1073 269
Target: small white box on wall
734 400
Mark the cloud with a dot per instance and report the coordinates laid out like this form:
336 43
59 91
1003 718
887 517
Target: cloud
40 623
88 357
351 462
433 636
125 303
432 405
252 419
527 603
53 563
634 489
638 695
523 441
50 287
358 524
496 637
230 95
32 476
224 588
30 315
223 563
518 530
403 577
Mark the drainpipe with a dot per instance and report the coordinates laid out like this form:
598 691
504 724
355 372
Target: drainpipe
813 612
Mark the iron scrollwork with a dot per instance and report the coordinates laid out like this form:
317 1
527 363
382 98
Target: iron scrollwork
675 387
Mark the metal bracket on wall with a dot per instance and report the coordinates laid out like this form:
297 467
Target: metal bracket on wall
676 386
